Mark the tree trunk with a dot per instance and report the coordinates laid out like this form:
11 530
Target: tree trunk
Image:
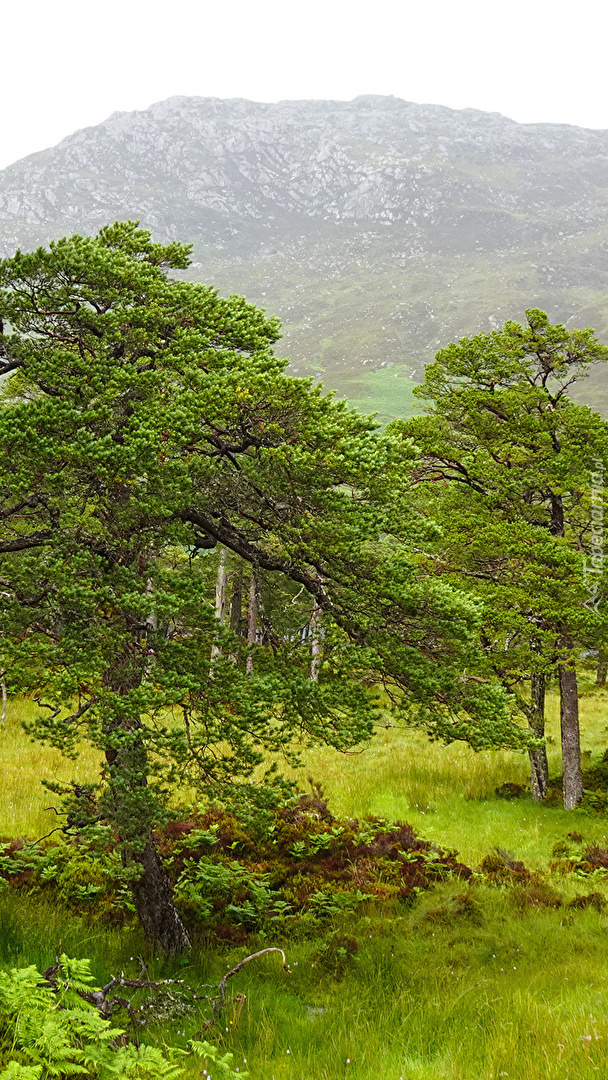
236 603
315 648
220 598
571 743
154 905
131 808
539 768
602 668
252 620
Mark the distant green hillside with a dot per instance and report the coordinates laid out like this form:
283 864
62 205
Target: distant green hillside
387 392
378 229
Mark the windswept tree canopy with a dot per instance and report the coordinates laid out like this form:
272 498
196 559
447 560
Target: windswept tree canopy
146 417
144 420
507 467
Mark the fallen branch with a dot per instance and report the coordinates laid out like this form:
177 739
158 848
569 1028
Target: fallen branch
220 1000
163 1004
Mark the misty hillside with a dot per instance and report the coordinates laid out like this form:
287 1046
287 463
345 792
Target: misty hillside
376 229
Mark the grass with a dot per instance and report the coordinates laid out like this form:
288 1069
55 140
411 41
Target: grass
389 392
448 793
23 800
436 991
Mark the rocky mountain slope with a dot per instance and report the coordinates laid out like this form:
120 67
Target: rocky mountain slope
377 229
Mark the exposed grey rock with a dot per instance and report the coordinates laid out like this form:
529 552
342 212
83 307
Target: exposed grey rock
377 228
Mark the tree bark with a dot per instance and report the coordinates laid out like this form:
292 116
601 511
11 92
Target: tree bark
571 743
315 646
252 620
236 602
602 668
539 768
220 598
154 905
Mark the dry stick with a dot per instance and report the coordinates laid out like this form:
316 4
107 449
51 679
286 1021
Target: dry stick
220 1001
100 999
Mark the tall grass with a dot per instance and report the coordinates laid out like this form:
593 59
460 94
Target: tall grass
426 998
448 793
24 801
431 993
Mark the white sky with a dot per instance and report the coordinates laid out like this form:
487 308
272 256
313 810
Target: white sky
67 64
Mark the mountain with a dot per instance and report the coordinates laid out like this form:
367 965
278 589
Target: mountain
377 229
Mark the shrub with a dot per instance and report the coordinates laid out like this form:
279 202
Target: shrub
336 954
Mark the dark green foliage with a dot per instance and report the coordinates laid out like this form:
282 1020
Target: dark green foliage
145 421
506 469
507 462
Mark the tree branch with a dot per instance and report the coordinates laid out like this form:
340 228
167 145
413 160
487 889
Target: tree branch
226 534
22 543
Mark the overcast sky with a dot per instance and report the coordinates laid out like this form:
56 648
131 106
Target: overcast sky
67 64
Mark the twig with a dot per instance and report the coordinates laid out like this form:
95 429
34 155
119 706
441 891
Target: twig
220 1000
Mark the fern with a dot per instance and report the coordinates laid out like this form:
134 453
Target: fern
57 1035
21 1072
222 1066
45 1035
139 1063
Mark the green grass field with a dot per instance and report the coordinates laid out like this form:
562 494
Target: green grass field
497 986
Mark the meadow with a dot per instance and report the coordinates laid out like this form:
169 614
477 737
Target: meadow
473 980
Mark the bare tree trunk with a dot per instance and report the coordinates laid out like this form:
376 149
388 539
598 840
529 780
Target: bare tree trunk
571 743
602 668
252 620
539 768
152 620
315 648
220 598
236 602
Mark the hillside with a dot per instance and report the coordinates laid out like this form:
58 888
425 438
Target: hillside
377 229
